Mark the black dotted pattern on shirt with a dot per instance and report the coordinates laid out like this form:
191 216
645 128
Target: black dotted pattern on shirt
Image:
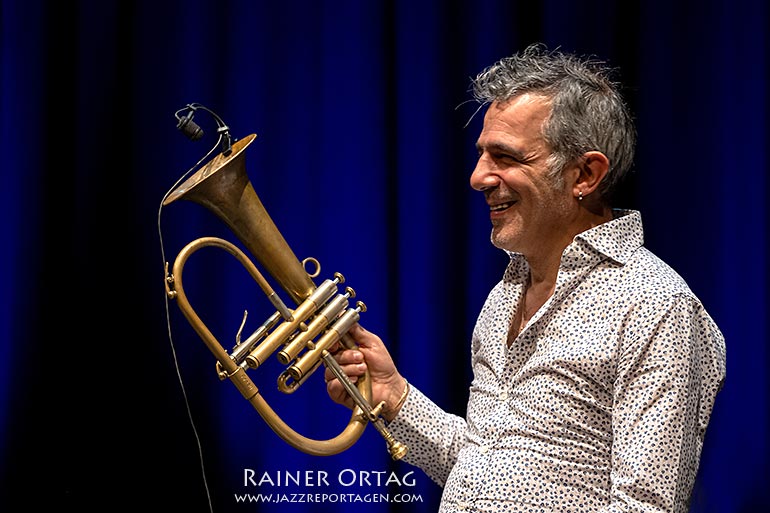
600 404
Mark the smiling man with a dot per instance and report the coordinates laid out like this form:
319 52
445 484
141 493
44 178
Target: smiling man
595 366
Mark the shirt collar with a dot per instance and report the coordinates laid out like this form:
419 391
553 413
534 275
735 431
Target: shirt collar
616 239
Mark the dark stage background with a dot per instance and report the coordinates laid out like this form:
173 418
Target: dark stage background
362 159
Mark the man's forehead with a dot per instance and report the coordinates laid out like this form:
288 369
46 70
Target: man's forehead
522 116
529 100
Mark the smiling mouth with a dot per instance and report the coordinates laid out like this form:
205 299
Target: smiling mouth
501 206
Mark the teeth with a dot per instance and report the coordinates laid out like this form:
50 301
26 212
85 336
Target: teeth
501 206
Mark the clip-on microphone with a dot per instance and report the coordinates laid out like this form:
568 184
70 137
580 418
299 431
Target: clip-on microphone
194 132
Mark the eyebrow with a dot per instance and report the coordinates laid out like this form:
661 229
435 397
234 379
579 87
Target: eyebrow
503 148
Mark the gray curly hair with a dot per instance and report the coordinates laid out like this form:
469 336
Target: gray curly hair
587 110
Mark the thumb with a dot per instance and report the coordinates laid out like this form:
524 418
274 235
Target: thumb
362 337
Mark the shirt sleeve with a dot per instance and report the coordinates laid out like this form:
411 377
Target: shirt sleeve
433 436
669 373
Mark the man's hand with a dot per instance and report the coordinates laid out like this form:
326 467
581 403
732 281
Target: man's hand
387 384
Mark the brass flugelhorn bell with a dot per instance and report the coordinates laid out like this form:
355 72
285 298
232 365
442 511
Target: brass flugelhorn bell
321 318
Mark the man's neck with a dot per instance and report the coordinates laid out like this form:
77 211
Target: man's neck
544 264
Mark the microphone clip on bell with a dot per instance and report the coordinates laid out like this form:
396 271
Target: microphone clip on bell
189 127
193 131
227 142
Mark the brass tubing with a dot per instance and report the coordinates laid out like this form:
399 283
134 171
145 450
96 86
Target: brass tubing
239 377
307 361
336 445
244 348
319 322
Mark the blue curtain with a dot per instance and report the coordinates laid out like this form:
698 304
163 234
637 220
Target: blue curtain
364 148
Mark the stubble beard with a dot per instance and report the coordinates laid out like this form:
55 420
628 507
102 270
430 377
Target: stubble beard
498 236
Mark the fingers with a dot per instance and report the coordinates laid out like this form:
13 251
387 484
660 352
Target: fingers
371 356
338 394
352 363
349 357
362 337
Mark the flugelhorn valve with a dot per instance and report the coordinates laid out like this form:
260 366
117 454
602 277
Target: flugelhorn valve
281 334
335 332
325 317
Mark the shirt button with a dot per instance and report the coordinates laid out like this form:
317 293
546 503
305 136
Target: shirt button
462 505
484 449
503 395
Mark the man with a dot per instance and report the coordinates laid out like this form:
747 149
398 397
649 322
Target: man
595 366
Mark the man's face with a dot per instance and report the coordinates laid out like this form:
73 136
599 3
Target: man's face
530 213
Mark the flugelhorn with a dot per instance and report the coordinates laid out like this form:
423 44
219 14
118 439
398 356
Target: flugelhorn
303 335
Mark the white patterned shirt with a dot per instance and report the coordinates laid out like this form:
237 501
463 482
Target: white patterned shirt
599 405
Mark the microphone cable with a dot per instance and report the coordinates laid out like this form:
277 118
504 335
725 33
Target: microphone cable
224 142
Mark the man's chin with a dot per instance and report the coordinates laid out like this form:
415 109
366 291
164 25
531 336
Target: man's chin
499 242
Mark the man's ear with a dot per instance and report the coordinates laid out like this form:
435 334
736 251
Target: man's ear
593 168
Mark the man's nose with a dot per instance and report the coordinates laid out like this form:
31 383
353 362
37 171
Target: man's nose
483 176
